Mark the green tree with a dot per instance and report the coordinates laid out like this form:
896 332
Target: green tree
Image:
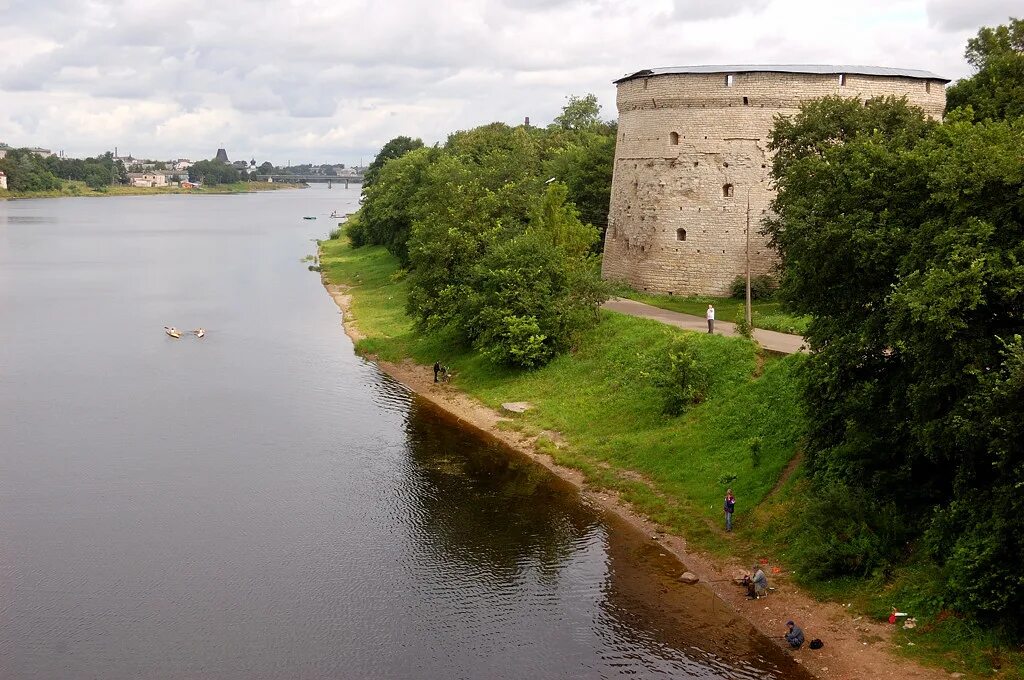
212 172
27 172
395 148
904 241
580 113
996 90
391 203
266 168
585 166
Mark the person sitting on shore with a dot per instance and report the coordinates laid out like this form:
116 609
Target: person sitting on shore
795 635
757 585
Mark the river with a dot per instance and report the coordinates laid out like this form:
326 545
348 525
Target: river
261 502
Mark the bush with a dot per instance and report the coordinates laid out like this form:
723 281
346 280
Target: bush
762 287
844 531
684 380
356 232
517 341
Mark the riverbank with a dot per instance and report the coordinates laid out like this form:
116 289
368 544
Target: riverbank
596 421
79 189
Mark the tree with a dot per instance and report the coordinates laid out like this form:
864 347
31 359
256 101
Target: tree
390 205
904 240
585 167
580 113
395 148
212 172
266 168
27 172
996 90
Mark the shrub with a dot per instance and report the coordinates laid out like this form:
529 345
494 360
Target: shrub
844 531
684 380
356 232
762 287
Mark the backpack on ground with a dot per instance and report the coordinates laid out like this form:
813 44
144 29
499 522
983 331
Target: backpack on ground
816 644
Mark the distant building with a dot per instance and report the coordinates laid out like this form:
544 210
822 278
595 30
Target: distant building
147 179
182 164
222 156
42 153
185 184
3 178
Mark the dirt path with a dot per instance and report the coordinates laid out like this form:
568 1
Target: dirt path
855 648
770 340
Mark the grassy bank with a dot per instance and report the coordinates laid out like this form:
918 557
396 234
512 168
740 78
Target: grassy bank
765 314
602 402
71 188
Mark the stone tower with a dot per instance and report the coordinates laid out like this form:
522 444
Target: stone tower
692 151
222 156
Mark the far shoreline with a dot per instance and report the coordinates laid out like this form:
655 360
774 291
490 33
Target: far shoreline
76 191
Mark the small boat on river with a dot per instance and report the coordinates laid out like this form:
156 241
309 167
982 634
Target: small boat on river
309 217
172 331
200 332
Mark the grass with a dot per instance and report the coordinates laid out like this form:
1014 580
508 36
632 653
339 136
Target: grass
75 188
603 403
767 314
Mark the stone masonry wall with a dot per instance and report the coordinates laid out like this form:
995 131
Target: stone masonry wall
691 153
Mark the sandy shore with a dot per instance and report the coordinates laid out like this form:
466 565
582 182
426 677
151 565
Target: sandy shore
855 648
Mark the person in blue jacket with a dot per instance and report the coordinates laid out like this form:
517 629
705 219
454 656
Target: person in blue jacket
795 636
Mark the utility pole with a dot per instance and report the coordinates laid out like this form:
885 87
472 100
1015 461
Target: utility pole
749 322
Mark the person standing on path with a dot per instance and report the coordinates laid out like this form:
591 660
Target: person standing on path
437 369
711 319
730 505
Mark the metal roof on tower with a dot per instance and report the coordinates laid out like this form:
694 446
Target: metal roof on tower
816 69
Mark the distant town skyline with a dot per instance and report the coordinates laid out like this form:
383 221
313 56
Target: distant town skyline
330 82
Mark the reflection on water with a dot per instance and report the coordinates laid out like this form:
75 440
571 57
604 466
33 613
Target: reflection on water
262 503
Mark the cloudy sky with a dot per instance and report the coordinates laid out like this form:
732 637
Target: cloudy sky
332 80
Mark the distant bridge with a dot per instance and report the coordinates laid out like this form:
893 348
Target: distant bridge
310 179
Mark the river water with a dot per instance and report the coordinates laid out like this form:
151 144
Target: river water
262 503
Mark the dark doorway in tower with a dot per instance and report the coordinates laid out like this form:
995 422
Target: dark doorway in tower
680 234
727 190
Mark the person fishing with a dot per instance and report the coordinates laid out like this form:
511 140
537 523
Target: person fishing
437 369
757 585
794 635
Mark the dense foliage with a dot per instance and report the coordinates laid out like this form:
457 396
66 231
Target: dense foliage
762 287
213 172
27 172
903 239
495 245
996 90
395 148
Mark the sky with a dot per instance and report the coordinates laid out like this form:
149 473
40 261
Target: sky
330 81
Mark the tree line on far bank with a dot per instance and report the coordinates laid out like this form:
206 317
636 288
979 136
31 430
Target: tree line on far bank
29 171
499 230
903 239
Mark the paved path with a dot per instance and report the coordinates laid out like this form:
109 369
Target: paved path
770 340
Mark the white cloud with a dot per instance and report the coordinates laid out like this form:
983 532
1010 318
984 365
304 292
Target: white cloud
323 80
